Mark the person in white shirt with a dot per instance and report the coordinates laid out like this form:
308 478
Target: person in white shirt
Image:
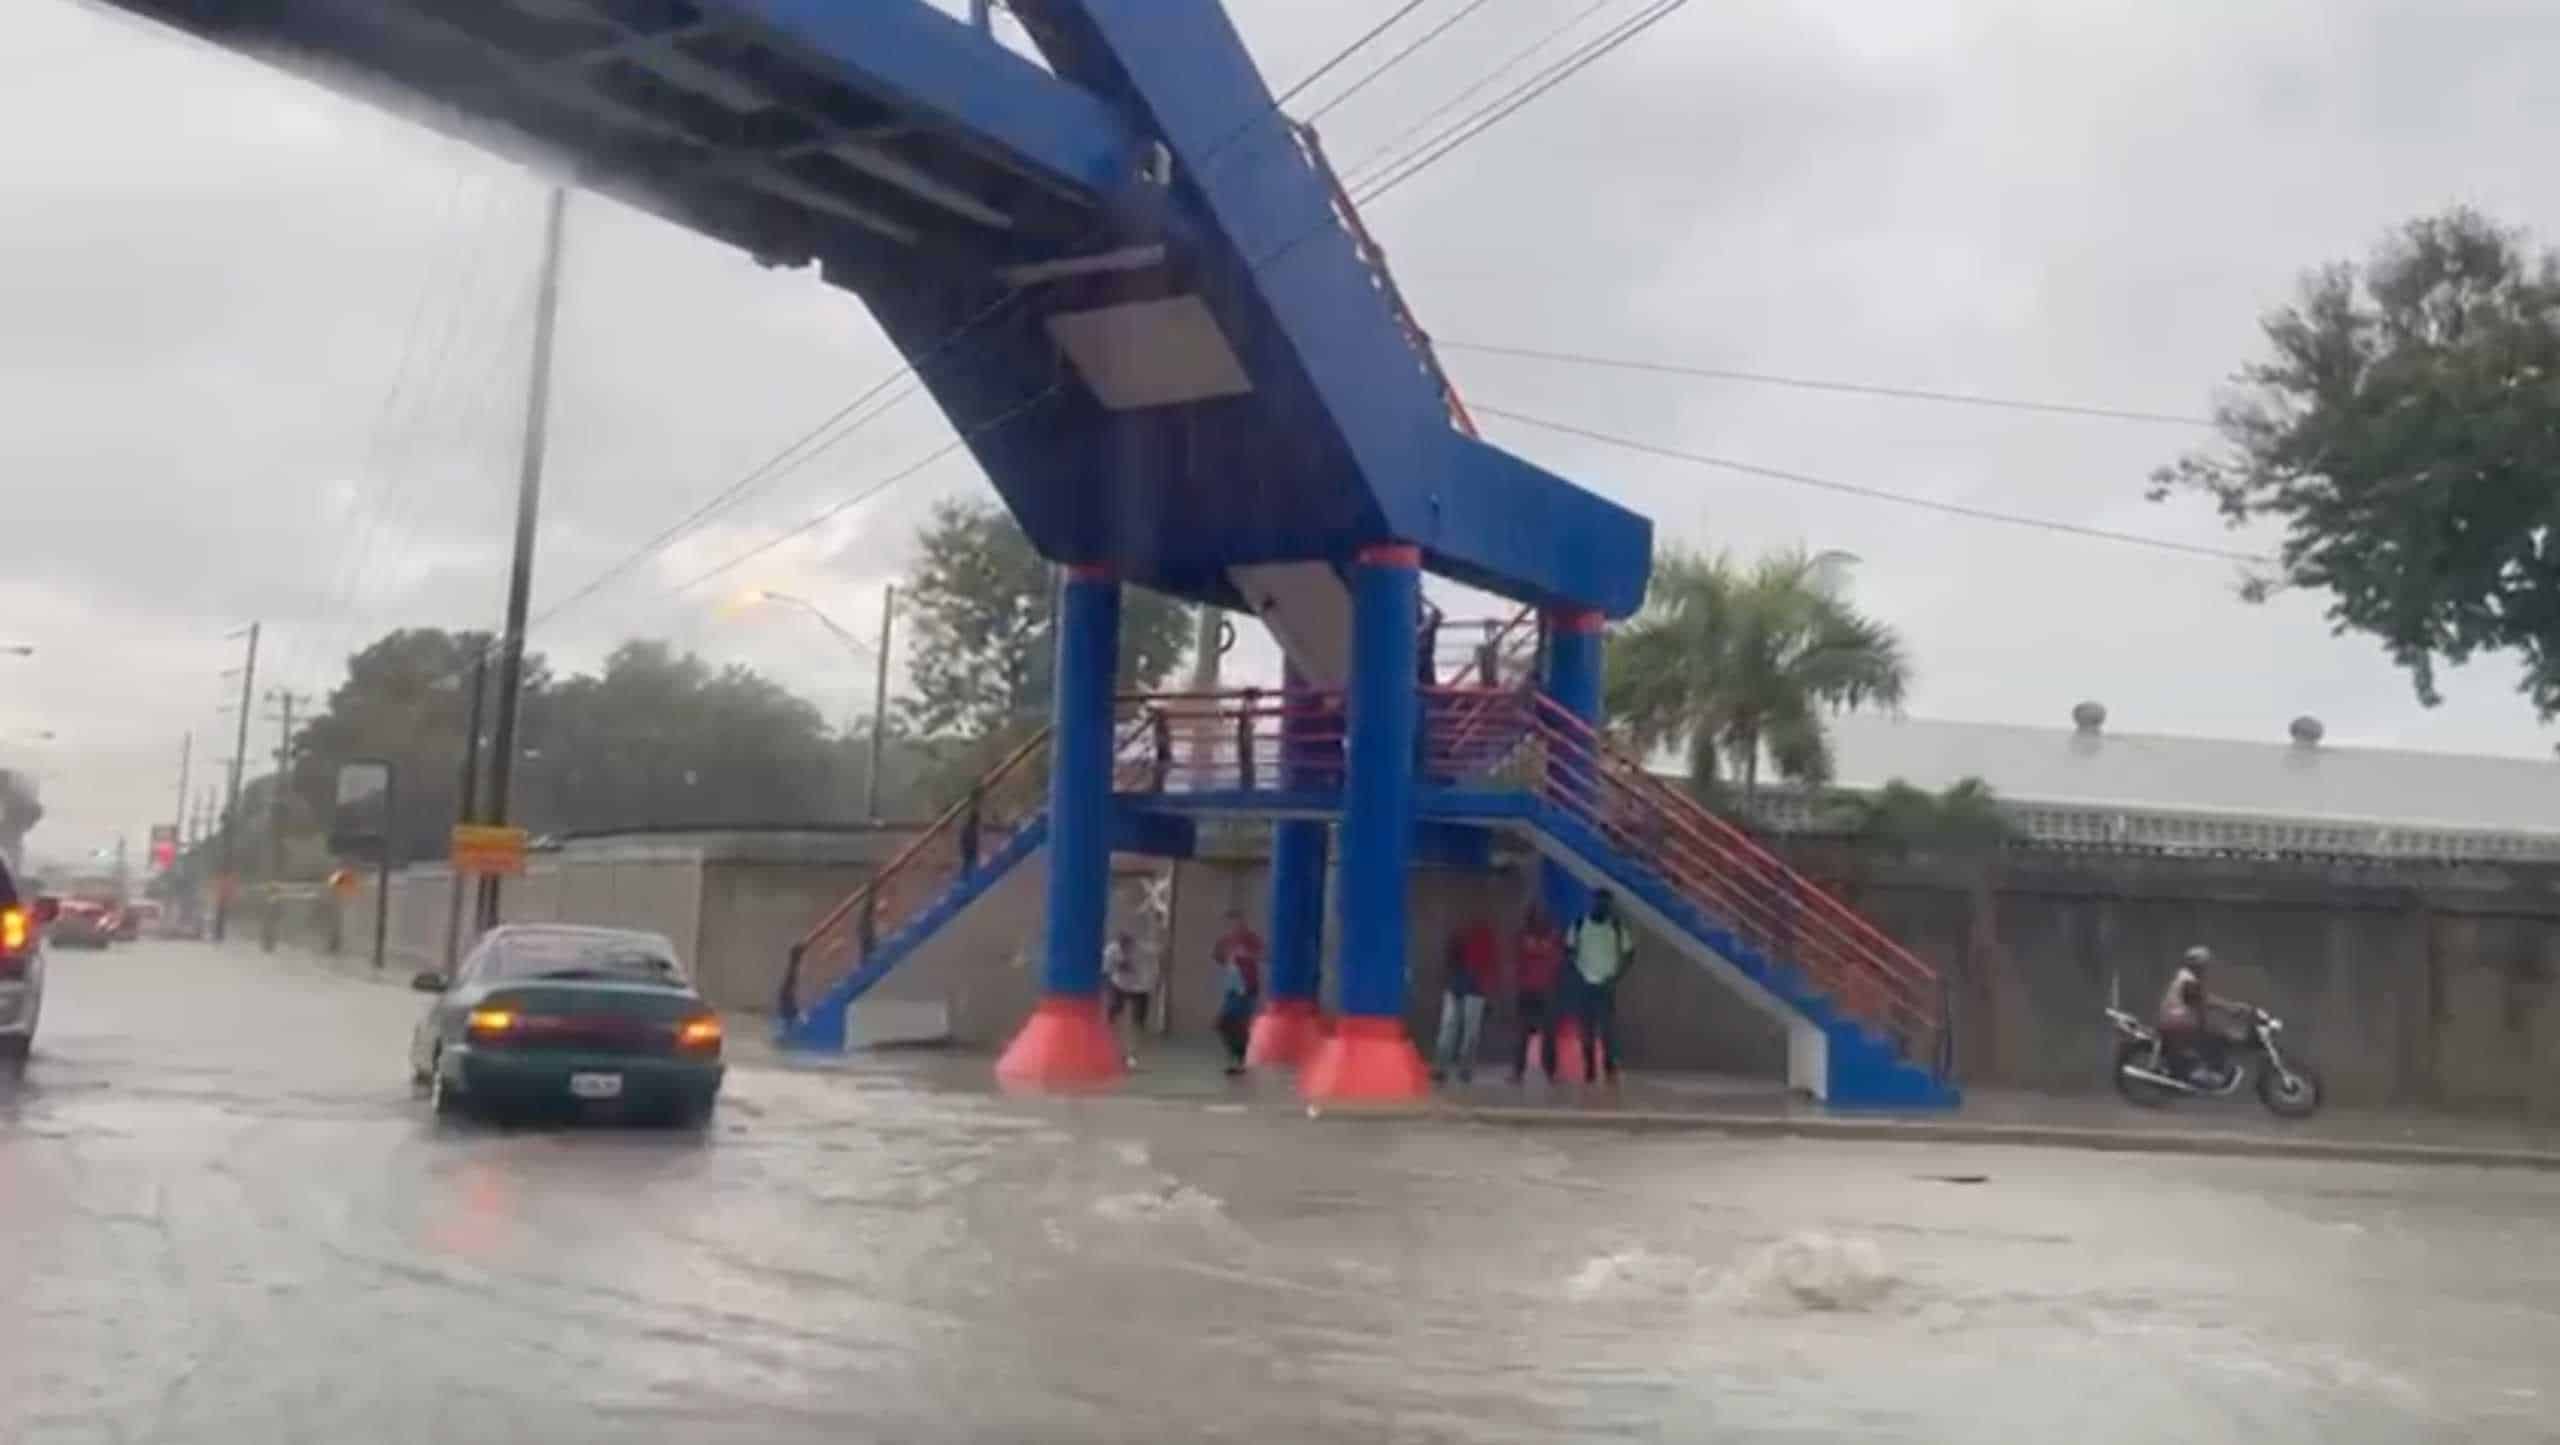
1129 977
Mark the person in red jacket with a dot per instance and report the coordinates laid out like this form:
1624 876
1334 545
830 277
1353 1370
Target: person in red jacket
1540 959
1474 956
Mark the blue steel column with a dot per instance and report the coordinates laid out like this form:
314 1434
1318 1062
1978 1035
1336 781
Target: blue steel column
1065 1044
1288 1030
1370 1056
1573 681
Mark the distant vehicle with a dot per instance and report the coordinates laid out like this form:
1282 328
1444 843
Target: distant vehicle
544 1016
22 929
82 923
136 919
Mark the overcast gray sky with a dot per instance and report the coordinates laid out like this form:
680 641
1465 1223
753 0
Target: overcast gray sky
261 346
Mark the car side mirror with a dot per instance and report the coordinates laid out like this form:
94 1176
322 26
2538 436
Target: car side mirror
48 908
429 982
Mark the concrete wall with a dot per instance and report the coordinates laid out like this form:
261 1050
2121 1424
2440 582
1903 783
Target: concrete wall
731 902
2407 983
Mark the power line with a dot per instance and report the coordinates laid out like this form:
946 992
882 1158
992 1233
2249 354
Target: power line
773 467
838 508
1852 388
1392 61
1472 127
1363 165
1345 53
1501 109
1877 494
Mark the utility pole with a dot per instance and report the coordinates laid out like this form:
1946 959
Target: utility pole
186 763
880 702
223 878
467 805
537 406
271 921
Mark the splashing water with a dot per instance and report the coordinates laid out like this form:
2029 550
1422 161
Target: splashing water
1810 1271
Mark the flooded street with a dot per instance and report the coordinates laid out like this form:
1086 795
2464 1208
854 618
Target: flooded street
225 1219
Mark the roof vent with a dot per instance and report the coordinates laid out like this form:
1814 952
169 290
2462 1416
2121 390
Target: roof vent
2307 731
2089 717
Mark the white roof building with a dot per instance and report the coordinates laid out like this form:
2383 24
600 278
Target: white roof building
2084 785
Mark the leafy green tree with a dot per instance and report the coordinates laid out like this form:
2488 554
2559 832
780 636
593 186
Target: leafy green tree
1730 662
1963 819
403 700
2405 430
981 600
659 738
655 738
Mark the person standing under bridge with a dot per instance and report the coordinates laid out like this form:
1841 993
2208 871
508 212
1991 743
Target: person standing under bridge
1601 947
1474 955
1537 962
1238 956
1129 973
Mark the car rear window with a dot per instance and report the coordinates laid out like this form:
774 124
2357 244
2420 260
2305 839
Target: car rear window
539 955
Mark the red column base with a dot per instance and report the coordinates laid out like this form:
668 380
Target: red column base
1065 1047
1366 1061
1286 1033
1568 1052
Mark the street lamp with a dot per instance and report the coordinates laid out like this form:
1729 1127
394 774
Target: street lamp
879 674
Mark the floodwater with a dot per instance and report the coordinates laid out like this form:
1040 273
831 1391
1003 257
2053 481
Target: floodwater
225 1219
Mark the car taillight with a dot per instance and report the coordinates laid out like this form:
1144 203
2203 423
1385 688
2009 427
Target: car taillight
699 1034
14 929
491 1023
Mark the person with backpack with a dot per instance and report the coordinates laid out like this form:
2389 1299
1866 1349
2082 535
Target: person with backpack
1600 946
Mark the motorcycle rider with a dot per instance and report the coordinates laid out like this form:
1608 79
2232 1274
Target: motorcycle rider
2187 1029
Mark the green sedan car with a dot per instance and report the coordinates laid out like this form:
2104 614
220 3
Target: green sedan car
555 1018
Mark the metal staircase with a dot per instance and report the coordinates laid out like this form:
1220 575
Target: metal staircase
1865 1020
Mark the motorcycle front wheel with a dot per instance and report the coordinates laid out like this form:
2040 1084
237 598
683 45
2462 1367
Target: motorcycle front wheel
2290 1093
2135 1053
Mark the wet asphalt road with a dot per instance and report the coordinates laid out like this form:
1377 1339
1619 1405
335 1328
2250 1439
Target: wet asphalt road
226 1220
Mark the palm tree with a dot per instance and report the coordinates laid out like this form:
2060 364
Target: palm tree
1732 663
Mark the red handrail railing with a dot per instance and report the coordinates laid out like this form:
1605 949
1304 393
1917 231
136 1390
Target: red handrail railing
1730 875
997 804
1374 257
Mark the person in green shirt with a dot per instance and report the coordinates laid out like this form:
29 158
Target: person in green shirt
1601 946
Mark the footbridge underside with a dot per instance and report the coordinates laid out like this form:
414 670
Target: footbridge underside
1129 281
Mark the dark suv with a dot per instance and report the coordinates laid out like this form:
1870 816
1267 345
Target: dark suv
22 924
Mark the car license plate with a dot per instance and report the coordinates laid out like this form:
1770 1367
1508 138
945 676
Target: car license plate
596 1086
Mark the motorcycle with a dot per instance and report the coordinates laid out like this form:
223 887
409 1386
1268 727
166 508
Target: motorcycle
2149 1074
